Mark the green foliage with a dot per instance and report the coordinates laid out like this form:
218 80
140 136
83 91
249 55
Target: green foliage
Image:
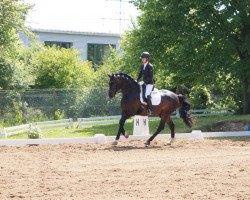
14 73
195 42
200 97
11 108
33 115
60 68
12 17
17 112
111 64
59 114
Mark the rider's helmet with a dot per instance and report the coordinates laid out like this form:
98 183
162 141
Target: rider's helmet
145 54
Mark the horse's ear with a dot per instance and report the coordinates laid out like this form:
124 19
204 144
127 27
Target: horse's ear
109 75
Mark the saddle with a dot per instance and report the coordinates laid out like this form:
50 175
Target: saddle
155 95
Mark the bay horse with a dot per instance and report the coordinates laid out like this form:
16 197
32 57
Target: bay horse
131 105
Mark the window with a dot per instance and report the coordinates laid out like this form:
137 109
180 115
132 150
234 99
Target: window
96 52
65 45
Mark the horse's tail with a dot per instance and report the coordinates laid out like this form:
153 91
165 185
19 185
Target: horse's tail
185 111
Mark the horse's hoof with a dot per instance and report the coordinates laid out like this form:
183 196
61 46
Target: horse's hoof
147 143
126 135
115 143
171 141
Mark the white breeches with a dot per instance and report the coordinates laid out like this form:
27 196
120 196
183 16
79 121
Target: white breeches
149 88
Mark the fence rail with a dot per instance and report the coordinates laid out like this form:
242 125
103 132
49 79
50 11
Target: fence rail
14 130
115 119
97 120
212 112
53 124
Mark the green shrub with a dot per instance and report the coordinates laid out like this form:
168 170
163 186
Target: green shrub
32 114
34 133
200 97
59 114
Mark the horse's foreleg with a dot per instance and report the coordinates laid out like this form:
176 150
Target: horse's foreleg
159 129
120 130
172 129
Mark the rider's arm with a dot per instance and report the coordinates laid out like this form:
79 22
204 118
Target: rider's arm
140 74
149 76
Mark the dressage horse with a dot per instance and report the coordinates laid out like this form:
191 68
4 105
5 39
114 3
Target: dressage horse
131 105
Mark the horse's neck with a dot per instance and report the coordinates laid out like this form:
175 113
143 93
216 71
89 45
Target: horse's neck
129 89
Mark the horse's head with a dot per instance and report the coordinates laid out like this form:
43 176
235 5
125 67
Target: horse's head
120 81
114 85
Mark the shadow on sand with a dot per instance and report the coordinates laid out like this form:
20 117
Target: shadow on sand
127 148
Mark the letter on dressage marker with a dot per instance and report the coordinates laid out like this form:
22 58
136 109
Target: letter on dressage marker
140 125
137 122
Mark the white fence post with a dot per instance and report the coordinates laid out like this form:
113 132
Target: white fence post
2 133
177 113
5 133
79 125
71 124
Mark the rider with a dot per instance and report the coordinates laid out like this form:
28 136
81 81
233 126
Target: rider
147 71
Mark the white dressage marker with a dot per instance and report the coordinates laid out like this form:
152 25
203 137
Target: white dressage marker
141 126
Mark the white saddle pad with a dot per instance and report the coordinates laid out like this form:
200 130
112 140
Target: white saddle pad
155 97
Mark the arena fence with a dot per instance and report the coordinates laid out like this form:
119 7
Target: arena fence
98 120
212 112
26 106
66 123
15 130
91 121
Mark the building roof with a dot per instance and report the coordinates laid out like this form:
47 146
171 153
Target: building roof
74 32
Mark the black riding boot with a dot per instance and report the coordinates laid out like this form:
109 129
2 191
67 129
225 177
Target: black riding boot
149 105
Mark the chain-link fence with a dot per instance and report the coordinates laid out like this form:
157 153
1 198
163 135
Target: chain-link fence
30 105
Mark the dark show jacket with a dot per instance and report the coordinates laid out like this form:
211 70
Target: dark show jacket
147 74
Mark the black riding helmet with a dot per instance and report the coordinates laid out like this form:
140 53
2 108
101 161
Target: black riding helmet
145 55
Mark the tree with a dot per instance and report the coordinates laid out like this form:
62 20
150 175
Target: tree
200 42
112 63
12 17
60 68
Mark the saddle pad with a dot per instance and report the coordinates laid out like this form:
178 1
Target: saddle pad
155 97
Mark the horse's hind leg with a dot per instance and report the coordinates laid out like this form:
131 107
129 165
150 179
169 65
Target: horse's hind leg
172 129
159 129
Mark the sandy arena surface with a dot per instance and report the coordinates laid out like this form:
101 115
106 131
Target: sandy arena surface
209 169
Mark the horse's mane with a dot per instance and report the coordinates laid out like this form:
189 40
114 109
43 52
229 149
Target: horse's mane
125 76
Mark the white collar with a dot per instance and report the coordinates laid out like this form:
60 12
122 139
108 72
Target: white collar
145 65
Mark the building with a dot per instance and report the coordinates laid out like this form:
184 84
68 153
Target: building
92 46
